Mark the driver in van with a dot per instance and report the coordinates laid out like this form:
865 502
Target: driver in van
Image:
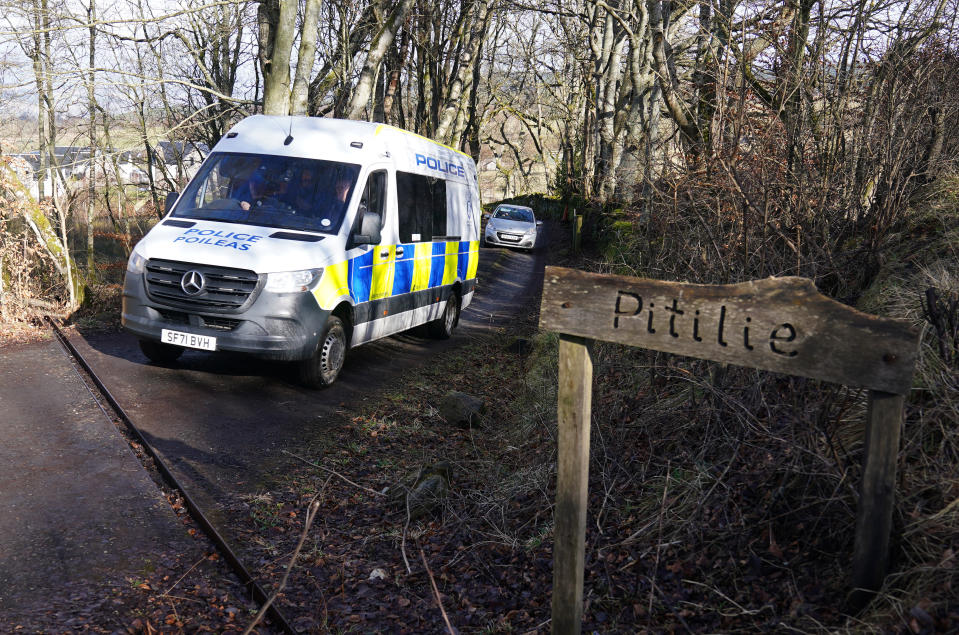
260 192
253 193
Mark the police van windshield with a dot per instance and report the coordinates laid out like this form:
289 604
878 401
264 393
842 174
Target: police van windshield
284 192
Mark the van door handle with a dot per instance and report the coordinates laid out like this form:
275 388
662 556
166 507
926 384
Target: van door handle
385 253
399 252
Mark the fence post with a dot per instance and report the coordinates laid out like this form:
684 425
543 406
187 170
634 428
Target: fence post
577 232
874 514
569 524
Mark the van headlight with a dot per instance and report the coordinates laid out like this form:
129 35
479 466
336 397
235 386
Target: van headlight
137 263
292 281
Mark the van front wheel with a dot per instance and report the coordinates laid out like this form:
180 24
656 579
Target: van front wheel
442 329
322 369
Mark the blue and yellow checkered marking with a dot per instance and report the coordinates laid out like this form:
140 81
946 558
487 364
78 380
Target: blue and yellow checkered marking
380 273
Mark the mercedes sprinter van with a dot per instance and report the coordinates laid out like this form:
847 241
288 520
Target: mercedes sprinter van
302 237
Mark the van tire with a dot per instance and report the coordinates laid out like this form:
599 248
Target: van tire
325 365
159 352
442 329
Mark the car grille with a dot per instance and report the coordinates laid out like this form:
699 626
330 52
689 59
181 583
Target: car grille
226 290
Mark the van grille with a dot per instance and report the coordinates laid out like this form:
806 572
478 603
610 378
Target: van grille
225 290
219 324
179 318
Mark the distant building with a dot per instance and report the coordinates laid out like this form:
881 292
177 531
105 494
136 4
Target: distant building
175 162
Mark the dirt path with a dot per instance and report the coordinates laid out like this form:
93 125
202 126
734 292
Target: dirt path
83 523
223 422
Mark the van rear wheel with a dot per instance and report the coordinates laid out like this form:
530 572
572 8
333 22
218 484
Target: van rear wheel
442 329
159 352
322 369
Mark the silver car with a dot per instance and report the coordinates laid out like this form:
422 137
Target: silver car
512 226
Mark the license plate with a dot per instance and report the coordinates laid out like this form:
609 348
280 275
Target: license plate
507 237
188 340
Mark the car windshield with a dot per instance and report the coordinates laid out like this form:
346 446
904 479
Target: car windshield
271 191
514 213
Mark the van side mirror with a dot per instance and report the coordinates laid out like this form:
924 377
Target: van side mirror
369 230
486 216
171 198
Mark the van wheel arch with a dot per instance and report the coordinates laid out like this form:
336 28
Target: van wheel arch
324 366
442 327
344 311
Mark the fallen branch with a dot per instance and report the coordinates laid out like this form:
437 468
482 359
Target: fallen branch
310 515
436 594
406 527
659 541
167 592
335 473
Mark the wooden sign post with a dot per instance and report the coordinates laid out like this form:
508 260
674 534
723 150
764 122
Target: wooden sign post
779 324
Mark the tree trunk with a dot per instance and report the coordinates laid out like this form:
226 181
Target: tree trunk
678 109
277 31
299 99
45 233
380 44
454 103
91 166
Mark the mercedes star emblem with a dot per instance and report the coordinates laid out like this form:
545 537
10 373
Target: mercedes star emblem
192 282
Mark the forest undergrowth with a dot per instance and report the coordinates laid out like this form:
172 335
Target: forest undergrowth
721 499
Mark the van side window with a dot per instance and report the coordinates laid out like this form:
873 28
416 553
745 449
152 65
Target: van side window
374 195
421 201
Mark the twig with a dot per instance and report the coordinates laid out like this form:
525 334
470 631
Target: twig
743 610
186 599
939 514
406 526
180 579
310 515
702 501
436 593
335 473
536 628
602 507
659 540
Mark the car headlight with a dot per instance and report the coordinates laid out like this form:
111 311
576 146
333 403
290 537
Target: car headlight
137 263
531 231
292 281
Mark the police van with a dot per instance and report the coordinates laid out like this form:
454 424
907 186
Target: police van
302 237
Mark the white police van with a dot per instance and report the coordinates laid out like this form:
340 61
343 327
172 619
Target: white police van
300 237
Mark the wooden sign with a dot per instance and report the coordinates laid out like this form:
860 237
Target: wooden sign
779 324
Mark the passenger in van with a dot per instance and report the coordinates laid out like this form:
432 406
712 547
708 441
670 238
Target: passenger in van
341 189
304 194
329 204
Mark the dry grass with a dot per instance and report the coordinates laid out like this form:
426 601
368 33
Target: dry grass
768 466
